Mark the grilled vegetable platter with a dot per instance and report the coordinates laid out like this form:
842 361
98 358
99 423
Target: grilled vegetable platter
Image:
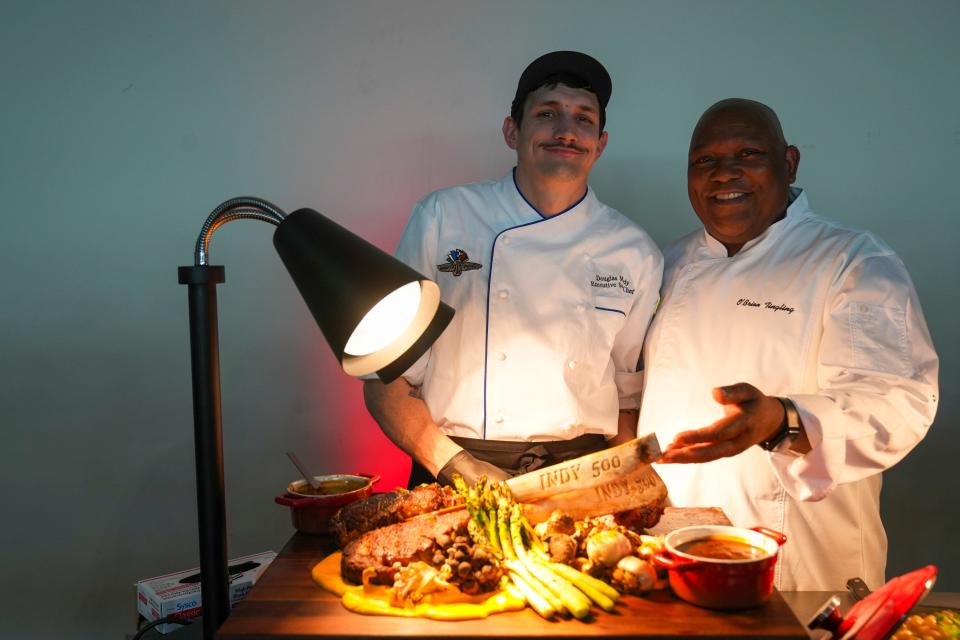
466 552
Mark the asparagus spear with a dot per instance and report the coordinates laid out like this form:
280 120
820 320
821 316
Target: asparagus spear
514 566
538 602
597 590
547 586
503 530
572 599
484 499
536 543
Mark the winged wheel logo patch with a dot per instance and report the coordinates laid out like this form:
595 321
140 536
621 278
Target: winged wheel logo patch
457 262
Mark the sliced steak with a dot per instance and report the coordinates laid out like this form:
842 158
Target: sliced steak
382 509
403 542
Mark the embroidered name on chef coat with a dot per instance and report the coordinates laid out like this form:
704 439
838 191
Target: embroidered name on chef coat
611 281
769 306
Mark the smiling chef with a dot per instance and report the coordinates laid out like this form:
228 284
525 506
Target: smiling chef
798 347
553 292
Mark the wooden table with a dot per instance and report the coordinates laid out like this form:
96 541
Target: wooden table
285 603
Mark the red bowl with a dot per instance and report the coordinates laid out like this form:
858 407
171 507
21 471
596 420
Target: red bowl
721 584
311 513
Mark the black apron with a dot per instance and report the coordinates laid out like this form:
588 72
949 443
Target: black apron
517 458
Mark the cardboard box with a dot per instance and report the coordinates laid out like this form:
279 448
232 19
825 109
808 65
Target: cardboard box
178 594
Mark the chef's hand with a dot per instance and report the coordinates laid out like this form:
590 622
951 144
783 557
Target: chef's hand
470 469
750 418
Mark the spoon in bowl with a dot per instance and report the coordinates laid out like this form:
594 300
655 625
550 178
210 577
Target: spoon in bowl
309 477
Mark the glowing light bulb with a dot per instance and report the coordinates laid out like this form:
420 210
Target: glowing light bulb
386 321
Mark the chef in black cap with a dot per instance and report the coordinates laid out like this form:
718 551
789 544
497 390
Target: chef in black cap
553 292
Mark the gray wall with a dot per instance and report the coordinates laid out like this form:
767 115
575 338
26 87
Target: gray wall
125 123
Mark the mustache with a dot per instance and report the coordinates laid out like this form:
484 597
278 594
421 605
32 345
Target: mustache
554 145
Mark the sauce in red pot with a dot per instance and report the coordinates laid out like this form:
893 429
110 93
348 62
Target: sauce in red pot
722 548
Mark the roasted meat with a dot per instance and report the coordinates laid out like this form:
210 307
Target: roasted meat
382 509
644 517
640 495
421 538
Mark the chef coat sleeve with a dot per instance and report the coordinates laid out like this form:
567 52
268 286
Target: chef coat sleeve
418 249
877 375
628 345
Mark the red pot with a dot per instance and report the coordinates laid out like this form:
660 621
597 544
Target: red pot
311 513
721 584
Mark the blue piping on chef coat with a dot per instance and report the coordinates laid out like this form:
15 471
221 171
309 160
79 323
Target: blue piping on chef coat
486 327
613 310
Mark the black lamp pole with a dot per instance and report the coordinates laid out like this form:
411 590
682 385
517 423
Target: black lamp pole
202 284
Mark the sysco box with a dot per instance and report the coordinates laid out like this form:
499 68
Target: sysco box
178 594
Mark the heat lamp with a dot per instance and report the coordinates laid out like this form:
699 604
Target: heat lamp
377 314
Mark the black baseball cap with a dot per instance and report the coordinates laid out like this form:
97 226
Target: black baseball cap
560 65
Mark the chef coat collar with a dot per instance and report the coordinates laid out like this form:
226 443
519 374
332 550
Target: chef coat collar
526 205
795 210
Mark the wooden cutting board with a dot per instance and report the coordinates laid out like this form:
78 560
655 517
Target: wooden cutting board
285 603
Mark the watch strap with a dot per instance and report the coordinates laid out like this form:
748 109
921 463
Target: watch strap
789 429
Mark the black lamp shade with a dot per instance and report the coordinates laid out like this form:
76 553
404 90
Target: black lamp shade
342 277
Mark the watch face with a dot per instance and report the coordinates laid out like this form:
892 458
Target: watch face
775 439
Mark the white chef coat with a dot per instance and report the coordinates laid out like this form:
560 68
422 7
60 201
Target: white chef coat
549 321
827 316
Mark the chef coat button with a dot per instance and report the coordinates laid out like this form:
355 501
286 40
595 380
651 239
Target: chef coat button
504 293
581 308
501 356
499 419
571 364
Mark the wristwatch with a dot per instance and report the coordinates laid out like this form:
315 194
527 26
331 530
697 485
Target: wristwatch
789 429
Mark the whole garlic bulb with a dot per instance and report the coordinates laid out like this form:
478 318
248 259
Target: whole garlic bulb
634 575
607 547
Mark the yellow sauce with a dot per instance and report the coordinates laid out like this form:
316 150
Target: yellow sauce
375 601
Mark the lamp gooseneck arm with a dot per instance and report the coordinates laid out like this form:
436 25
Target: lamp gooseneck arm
246 207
